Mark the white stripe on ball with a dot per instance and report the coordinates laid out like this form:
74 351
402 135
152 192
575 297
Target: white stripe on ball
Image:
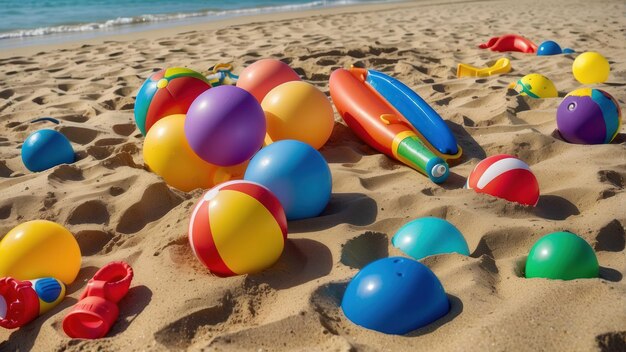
498 168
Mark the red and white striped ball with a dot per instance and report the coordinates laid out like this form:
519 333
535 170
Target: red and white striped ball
238 227
505 176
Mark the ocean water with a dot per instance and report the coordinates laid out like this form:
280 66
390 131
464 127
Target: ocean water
23 19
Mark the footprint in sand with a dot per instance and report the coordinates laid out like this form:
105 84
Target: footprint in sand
125 129
79 135
181 333
5 171
92 241
612 178
66 86
66 173
612 341
116 191
157 200
7 93
109 141
39 100
5 211
611 237
120 159
90 212
124 91
364 249
78 118
99 152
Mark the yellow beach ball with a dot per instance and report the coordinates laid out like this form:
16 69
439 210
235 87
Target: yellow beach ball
591 67
297 110
167 154
37 249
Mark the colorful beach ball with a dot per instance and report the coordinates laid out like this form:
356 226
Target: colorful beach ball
167 92
588 116
563 256
505 176
395 296
238 227
535 86
429 236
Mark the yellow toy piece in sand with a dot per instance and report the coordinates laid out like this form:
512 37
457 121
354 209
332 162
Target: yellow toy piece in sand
535 86
503 65
37 249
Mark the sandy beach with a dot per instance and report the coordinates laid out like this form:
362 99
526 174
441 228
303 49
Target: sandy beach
118 210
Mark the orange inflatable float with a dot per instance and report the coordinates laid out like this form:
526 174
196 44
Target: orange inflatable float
394 120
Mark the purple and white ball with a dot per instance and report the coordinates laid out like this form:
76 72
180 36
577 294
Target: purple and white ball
588 116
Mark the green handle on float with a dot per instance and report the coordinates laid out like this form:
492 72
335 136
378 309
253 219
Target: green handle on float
409 149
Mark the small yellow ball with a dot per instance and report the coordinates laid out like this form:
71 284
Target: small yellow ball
591 67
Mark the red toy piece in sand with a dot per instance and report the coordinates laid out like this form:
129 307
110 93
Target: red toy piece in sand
95 313
510 42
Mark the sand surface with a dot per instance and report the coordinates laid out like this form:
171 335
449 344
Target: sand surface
120 211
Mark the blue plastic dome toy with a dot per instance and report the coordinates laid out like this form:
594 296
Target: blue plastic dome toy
549 47
296 173
395 296
44 149
429 236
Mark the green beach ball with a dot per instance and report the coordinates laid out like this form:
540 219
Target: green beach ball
563 256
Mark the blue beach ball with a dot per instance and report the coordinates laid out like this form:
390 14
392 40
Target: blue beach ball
296 173
429 236
395 296
45 149
549 47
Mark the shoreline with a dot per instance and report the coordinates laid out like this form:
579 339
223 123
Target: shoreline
165 30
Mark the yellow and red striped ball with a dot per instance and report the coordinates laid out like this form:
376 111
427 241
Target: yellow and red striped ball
238 227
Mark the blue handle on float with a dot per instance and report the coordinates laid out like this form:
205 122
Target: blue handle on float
417 111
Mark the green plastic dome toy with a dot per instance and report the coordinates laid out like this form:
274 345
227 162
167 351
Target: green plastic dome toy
562 256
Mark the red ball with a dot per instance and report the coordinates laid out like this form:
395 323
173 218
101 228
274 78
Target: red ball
264 75
505 176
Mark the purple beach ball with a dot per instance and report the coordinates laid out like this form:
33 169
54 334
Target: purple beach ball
225 125
588 116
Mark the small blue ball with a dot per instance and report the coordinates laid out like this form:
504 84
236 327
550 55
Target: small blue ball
44 149
296 173
395 296
429 236
549 48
